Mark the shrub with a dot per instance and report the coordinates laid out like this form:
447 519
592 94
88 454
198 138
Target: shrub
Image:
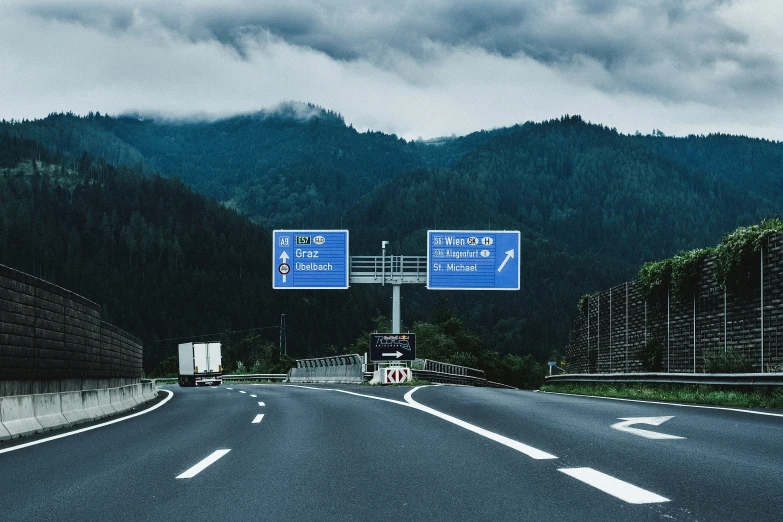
729 361
652 355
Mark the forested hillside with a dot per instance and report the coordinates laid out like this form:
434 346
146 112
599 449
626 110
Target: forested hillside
84 206
162 261
298 166
592 204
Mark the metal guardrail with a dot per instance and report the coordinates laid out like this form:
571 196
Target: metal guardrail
715 379
452 369
244 377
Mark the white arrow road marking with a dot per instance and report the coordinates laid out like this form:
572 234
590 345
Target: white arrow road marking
201 466
652 421
509 255
615 487
396 354
258 418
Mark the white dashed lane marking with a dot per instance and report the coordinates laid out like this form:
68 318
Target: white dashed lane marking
201 466
615 487
258 418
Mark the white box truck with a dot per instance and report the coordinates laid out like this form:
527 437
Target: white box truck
200 363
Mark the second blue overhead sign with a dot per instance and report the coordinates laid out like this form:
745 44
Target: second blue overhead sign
472 260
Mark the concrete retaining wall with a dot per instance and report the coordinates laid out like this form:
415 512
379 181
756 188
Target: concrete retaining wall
22 415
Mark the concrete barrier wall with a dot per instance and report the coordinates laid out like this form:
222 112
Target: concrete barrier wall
48 333
341 369
22 415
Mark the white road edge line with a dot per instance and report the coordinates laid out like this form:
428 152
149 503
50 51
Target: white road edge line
96 426
201 466
679 405
261 404
258 418
613 486
511 443
530 451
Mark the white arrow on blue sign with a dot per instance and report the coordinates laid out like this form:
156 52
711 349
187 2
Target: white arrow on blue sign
310 259
473 260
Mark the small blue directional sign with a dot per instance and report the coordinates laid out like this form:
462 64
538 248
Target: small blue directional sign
310 259
472 260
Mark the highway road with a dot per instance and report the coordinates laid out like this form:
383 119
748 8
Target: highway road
285 452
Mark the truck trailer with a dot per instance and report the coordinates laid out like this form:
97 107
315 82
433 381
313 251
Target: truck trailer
200 363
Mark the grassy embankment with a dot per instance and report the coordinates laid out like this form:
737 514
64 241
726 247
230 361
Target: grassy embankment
763 397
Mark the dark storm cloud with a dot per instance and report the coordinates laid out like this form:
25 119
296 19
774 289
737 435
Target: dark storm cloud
671 49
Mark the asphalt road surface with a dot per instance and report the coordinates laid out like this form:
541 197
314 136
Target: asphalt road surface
285 452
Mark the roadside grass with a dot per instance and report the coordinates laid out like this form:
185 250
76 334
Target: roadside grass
762 397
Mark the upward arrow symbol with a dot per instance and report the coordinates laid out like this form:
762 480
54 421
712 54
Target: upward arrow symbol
284 256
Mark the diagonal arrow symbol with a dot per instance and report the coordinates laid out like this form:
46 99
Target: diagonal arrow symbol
652 421
509 255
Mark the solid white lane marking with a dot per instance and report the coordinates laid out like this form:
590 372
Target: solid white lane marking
201 466
240 391
350 393
511 443
652 421
698 406
615 487
261 404
254 396
530 451
258 418
96 426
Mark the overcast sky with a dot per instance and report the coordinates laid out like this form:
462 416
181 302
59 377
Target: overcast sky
418 69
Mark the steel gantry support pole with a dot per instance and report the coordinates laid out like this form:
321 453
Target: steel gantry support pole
396 309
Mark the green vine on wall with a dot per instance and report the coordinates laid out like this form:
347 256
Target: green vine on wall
582 304
680 272
739 246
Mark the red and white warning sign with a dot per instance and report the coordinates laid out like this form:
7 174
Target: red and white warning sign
396 375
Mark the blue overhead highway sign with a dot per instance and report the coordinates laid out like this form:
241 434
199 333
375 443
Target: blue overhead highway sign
472 260
310 259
